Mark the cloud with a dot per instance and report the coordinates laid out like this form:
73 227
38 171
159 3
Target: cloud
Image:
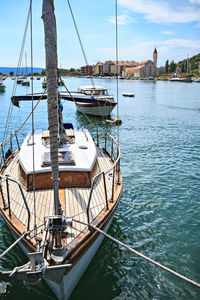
167 32
122 19
195 1
162 12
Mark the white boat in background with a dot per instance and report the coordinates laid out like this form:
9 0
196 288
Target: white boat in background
2 86
44 83
50 201
20 79
100 104
186 78
25 82
196 80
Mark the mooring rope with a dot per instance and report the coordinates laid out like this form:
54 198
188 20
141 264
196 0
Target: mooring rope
141 255
18 240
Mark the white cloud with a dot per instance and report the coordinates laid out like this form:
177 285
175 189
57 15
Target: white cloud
167 32
195 1
162 12
122 19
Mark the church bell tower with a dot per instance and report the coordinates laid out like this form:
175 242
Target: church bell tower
155 58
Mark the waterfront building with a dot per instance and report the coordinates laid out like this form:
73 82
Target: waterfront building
86 69
98 68
124 68
145 68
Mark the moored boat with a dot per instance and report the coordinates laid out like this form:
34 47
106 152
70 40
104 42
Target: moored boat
128 94
102 103
196 80
2 86
187 78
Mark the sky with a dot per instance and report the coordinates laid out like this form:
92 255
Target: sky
173 26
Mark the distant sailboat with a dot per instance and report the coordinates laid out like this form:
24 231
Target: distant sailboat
25 81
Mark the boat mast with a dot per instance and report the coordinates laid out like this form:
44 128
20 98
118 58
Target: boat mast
49 20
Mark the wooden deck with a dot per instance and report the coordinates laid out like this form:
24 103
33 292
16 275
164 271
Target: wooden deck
74 200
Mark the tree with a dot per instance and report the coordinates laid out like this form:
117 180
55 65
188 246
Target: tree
43 73
11 73
172 67
167 66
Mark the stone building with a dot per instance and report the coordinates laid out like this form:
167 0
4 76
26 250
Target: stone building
86 70
145 68
98 69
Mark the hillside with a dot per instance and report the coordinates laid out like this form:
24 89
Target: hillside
192 61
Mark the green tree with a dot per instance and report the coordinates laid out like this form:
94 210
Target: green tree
182 68
43 73
167 66
172 67
11 73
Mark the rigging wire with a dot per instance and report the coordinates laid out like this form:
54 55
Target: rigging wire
7 126
33 129
79 38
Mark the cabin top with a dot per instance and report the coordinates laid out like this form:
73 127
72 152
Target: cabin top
78 156
95 90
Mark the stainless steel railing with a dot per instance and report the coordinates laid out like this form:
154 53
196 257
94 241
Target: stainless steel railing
8 206
115 171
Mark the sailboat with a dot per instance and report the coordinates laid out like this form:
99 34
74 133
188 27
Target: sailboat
2 86
26 82
56 188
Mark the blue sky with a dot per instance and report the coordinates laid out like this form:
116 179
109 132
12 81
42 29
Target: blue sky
172 25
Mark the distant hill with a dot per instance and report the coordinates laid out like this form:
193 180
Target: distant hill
192 62
25 71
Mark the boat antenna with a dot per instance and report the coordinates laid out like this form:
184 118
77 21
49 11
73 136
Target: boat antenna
117 65
49 20
79 38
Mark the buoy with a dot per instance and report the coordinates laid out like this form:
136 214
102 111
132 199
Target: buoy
118 121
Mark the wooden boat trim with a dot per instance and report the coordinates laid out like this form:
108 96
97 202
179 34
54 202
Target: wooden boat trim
82 243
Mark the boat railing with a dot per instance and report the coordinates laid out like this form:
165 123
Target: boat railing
113 151
10 145
7 178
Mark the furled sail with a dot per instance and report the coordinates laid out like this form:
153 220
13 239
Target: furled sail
51 70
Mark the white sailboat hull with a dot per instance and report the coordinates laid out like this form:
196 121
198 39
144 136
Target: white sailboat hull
69 281
95 109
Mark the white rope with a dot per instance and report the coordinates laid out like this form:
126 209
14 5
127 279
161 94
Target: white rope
141 255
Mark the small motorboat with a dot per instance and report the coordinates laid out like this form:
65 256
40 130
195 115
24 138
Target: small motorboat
196 80
128 94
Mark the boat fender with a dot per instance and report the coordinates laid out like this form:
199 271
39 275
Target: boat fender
61 107
118 121
8 153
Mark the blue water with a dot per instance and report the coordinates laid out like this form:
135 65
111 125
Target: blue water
158 214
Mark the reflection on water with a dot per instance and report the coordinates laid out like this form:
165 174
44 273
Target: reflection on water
159 210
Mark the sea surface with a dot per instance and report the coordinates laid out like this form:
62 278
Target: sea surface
159 211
